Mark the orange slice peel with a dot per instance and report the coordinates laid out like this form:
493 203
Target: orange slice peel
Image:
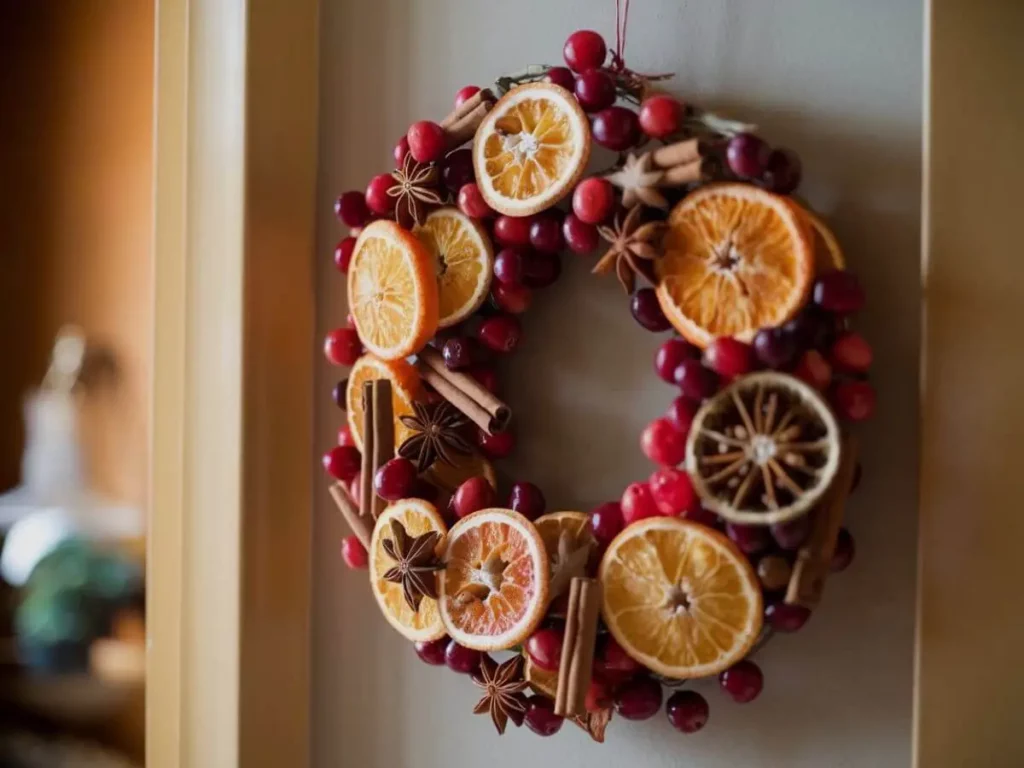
465 260
405 388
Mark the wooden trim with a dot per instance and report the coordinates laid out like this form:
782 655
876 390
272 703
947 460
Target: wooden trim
229 542
969 687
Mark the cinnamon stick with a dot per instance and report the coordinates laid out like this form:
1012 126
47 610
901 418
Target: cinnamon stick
464 129
678 175
814 560
680 153
464 392
483 96
350 512
378 441
578 646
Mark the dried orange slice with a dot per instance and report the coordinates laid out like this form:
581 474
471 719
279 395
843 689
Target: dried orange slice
828 254
680 598
531 149
405 387
736 259
392 291
448 477
569 544
464 259
418 517
494 590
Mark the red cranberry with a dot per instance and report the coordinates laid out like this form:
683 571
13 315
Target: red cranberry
584 49
343 254
792 534
426 141
814 370
514 299
694 380
527 499
647 311
542 269
500 333
663 444
811 328
854 400
343 462
562 77
457 170
595 90
687 711
465 93
743 681
661 116
593 200
616 128
354 553
457 353
698 513
839 292
639 699
512 230
485 377
540 716
338 392
749 538
432 651
844 551
747 155
472 203
774 347
546 234
351 209
508 266
599 696
401 150
473 495
680 414
342 346
783 172
638 503
377 198
606 521
545 648
673 491
670 355
395 479
496 446
459 658
579 236
729 357
783 617
851 352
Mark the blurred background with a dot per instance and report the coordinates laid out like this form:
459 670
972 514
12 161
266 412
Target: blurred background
76 100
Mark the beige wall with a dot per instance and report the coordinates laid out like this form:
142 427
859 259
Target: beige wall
838 81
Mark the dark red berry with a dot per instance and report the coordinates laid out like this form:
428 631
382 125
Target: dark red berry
673 491
401 150
694 380
783 617
500 333
377 198
670 355
743 681
747 155
545 648
774 347
432 651
561 76
616 128
813 370
426 141
354 553
343 462
509 266
471 202
342 346
461 659
514 299
473 495
351 209
584 49
729 357
343 254
639 699
783 171
457 170
661 116
579 236
839 292
749 538
540 716
854 400
465 93
496 446
593 200
680 414
663 444
638 503
541 269
647 311
606 521
851 352
457 353
395 479
486 377
791 534
512 230
687 711
595 90
527 499
546 234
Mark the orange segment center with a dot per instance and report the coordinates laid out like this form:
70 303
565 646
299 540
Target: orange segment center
382 292
530 149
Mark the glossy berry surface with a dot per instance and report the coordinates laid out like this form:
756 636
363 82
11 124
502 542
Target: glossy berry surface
814 370
599 696
673 491
646 310
401 150
687 711
851 352
461 659
595 90
540 716
512 230
426 141
839 292
854 400
616 128
496 446
395 479
545 648
345 436
742 681
660 116
509 266
473 495
606 522
465 93
377 198
751 539
561 76
783 172
546 234
680 414
457 170
338 393
584 49
747 155
593 200
342 346
457 353
514 299
774 347
527 499
663 444
670 356
638 699
694 380
500 333
471 202
343 254
844 551
351 209
811 328
786 618
354 553
792 534
638 503
729 357
432 651
541 269
578 235
342 462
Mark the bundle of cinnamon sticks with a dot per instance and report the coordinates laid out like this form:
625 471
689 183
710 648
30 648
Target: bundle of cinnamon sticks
578 644
461 123
464 392
680 163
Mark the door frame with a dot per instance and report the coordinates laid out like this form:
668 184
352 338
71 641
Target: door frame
230 534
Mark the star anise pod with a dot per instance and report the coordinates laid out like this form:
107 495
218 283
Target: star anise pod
634 246
437 433
414 191
503 686
568 562
639 182
415 563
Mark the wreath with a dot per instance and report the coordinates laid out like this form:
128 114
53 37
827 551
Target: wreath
585 615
